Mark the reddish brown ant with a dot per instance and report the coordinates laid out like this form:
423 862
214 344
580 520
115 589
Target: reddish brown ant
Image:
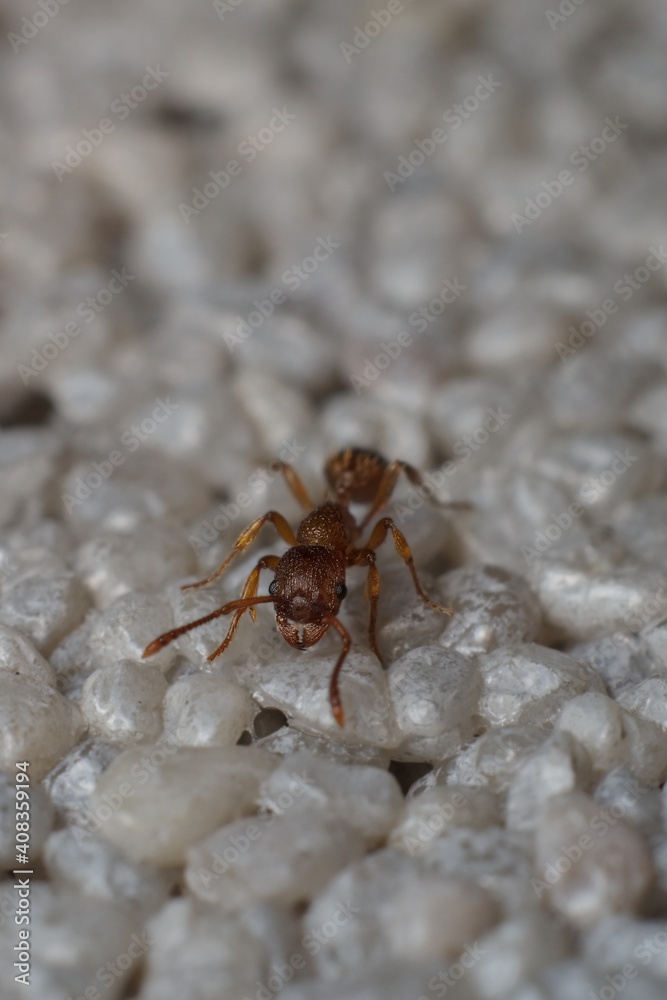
309 581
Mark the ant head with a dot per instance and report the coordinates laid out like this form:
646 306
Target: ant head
308 588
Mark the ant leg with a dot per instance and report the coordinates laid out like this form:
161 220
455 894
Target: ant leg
378 536
373 584
244 540
334 695
388 484
249 590
163 640
296 486
373 589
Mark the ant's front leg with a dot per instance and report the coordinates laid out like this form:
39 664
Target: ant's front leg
373 588
378 536
249 590
334 694
244 540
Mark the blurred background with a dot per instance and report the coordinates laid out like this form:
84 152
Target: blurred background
410 144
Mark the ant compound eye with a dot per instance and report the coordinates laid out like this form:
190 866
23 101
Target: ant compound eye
273 588
341 591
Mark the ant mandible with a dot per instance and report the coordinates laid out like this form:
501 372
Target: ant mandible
309 581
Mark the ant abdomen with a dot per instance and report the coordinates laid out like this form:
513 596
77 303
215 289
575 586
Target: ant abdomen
355 474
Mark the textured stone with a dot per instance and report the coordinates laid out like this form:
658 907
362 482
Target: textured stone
154 801
435 694
366 798
206 710
299 686
529 684
595 721
433 813
388 907
493 608
559 765
123 703
283 858
113 563
19 656
36 724
589 863
82 861
45 607
124 629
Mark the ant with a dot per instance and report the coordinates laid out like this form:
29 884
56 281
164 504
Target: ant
309 581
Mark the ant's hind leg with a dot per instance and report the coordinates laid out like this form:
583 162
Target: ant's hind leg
244 540
387 486
378 536
296 486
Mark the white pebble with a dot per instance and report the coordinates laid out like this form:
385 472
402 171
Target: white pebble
206 710
386 906
558 766
298 684
492 607
529 684
433 813
153 802
124 629
45 607
80 860
367 798
589 863
19 656
435 694
36 724
113 563
123 703
596 723
278 858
